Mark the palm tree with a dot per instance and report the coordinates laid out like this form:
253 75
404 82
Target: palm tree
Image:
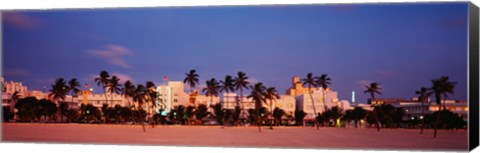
192 80
103 80
310 82
372 89
271 94
128 91
227 86
323 81
114 86
441 87
423 95
59 90
212 89
139 97
257 95
73 87
240 82
151 94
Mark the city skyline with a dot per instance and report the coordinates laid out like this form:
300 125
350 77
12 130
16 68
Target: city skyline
401 46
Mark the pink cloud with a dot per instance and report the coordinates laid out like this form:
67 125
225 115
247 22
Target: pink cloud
21 20
363 83
16 72
123 77
112 54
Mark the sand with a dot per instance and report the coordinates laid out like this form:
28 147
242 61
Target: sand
279 137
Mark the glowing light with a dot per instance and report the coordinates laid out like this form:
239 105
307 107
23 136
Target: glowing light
353 96
91 89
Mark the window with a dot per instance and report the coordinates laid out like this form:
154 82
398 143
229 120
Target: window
175 100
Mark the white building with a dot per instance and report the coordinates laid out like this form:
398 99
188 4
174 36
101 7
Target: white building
171 95
304 102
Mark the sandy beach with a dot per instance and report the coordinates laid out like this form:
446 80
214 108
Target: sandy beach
279 137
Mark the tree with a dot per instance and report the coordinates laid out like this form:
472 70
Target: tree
139 97
227 86
189 113
212 89
128 91
241 82
257 95
63 110
92 114
310 82
7 114
151 94
103 80
46 108
323 81
26 109
105 113
423 95
191 79
201 112
278 114
271 94
114 87
73 87
180 114
228 114
59 90
389 115
236 115
71 114
372 89
332 114
441 87
217 109
358 114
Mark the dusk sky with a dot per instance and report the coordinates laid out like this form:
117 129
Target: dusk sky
400 46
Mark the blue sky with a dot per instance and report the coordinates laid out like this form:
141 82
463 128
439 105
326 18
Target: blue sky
401 46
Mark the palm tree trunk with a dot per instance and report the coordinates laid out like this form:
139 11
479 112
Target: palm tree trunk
141 118
271 113
258 120
226 101
106 101
436 123
324 100
314 109
375 113
423 119
241 99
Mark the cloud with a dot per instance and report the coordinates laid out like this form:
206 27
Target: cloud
112 54
16 72
252 80
123 77
363 83
46 82
21 20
